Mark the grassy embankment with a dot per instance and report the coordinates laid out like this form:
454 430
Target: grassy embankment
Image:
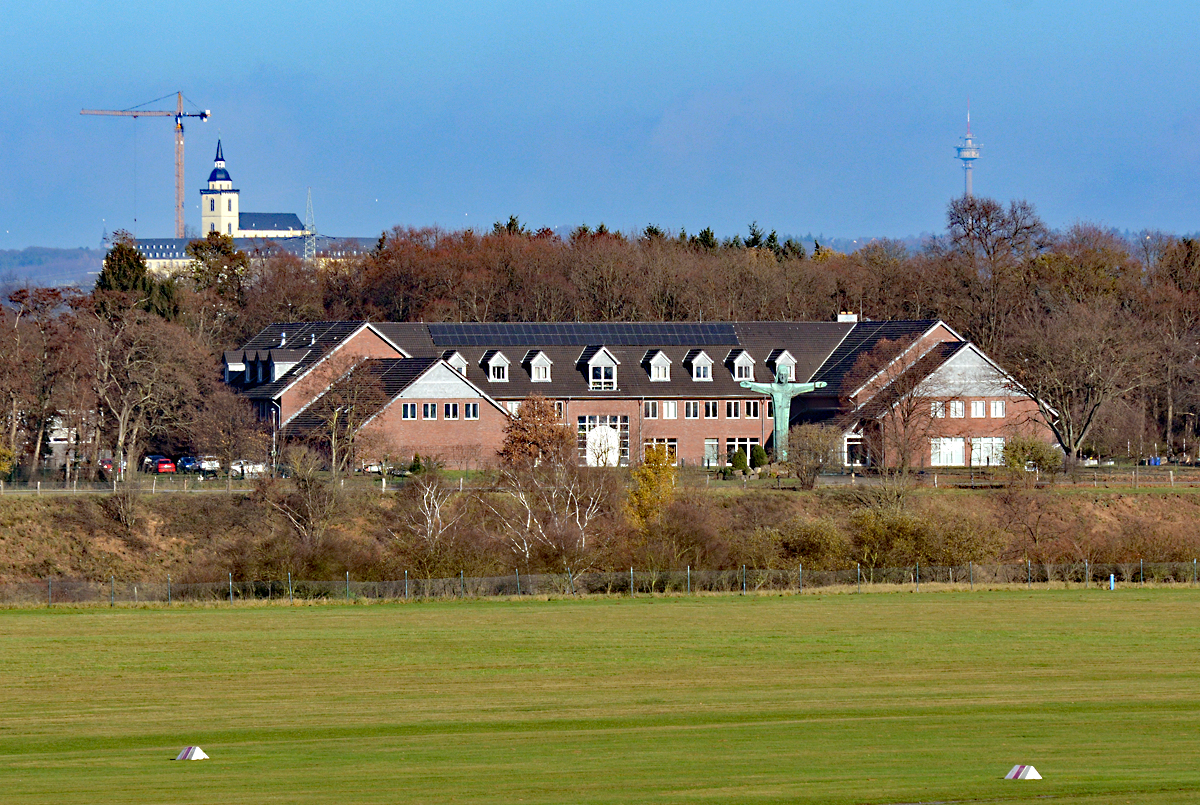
822 699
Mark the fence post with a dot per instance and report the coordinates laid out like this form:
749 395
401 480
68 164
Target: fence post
631 582
39 487
859 567
153 485
570 582
519 580
168 589
971 570
112 591
1193 572
1141 572
290 599
405 585
347 586
1087 574
918 577
231 588
462 583
800 577
49 591
1112 581
743 579
1028 575
689 580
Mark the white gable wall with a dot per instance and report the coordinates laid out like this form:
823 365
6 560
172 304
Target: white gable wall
968 374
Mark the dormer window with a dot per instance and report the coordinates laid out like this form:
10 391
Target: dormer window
658 365
601 368
495 364
740 364
701 365
538 365
457 362
782 360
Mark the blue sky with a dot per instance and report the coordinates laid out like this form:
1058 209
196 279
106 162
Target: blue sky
834 118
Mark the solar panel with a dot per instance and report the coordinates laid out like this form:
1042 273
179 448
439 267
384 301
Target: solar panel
505 334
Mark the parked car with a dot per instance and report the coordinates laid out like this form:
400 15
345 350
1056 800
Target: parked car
150 462
106 467
209 464
244 468
164 465
188 464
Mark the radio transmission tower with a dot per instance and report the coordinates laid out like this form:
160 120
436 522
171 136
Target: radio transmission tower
310 229
968 152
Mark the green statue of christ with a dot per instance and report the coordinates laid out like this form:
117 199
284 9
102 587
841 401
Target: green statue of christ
782 391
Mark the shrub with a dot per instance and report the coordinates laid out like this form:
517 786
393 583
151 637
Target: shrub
738 460
1023 451
758 456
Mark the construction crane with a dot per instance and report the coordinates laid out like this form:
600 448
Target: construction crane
179 115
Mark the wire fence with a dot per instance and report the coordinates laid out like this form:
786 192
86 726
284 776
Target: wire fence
634 582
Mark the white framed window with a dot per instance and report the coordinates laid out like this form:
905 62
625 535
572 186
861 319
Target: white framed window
408 411
997 409
733 409
212 205
513 406
947 451
987 451
670 409
746 445
451 410
660 373
743 372
978 409
650 409
702 371
429 411
499 373
691 409
604 378
560 409
937 409
710 409
752 409
957 409
541 374
470 410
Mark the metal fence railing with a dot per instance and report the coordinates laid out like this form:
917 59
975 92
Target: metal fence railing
688 581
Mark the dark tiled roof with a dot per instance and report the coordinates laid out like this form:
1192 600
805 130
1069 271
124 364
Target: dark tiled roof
810 342
907 380
393 376
864 337
830 347
314 338
269 222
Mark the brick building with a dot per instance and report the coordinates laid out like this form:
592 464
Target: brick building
624 385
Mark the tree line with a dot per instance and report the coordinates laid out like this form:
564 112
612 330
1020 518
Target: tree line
1104 331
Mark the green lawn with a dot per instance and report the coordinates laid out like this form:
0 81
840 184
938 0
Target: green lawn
876 698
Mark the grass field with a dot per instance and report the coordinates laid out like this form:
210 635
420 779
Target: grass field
859 699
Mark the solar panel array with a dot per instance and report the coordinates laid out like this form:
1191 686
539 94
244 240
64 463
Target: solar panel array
496 334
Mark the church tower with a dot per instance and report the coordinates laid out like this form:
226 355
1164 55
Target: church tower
219 202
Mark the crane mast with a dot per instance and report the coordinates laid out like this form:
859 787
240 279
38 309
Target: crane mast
179 115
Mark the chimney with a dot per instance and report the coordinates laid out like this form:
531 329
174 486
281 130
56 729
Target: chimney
282 339
312 339
847 317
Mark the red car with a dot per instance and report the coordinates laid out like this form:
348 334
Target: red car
164 465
